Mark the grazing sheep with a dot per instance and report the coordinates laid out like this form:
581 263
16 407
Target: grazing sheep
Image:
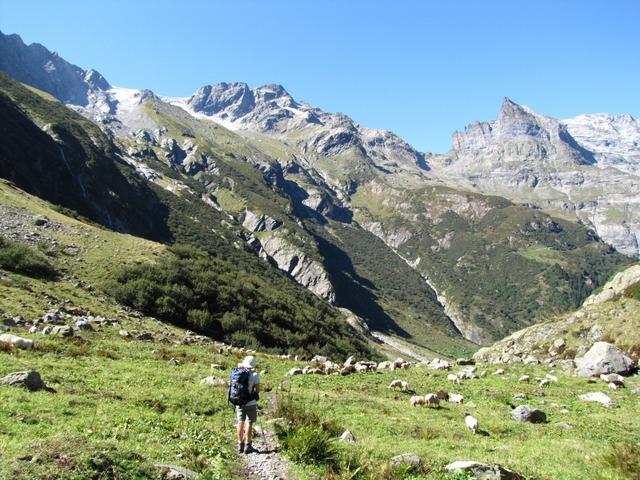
456 398
401 384
499 371
551 378
453 378
545 382
442 395
483 374
524 378
431 400
471 423
416 400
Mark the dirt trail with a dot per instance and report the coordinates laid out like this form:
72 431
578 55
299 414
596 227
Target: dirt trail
266 464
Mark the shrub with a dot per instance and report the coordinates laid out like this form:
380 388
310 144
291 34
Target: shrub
29 261
625 459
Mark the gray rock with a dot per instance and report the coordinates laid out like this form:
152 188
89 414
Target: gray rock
482 471
259 223
84 325
603 358
145 337
29 379
526 413
174 472
599 397
16 341
406 459
348 437
213 382
62 331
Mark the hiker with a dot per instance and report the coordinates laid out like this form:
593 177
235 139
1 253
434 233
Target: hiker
244 387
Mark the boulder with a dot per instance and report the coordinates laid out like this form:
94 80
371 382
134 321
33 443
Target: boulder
526 413
599 397
213 382
482 470
406 460
83 325
348 437
62 331
603 358
174 472
16 341
29 379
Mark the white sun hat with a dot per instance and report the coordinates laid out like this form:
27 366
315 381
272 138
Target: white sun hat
249 362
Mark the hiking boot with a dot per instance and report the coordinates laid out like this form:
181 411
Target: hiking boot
240 447
249 449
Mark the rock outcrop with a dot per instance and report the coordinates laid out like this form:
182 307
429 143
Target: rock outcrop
603 358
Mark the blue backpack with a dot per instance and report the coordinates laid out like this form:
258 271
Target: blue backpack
239 393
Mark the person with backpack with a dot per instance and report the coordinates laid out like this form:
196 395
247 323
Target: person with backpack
244 389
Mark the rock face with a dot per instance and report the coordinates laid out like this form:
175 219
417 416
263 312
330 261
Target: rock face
603 358
29 379
482 471
35 65
526 413
586 167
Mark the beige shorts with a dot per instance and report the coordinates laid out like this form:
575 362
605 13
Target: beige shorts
247 412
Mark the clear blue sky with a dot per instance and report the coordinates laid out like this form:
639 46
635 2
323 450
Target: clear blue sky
422 69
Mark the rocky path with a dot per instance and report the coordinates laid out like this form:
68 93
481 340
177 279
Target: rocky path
266 464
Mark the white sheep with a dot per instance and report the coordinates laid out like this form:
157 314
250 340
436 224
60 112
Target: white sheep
483 374
471 423
431 400
613 386
452 377
545 382
524 378
416 400
456 398
401 384
551 378
499 371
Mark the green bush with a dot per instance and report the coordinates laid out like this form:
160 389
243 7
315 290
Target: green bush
193 289
26 260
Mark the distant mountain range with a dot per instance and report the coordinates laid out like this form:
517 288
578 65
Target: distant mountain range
497 234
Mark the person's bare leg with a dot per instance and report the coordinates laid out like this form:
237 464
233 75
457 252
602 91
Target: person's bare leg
240 431
249 431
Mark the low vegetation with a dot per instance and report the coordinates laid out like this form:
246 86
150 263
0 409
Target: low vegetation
192 289
29 261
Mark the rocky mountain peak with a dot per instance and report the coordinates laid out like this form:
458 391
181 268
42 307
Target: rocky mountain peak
231 100
36 65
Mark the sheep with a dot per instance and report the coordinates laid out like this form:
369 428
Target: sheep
471 423
483 374
456 398
551 378
432 400
524 378
401 384
442 395
416 400
545 382
453 378
614 386
499 371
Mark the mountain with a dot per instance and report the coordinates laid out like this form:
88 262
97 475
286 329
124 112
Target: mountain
35 65
353 214
584 168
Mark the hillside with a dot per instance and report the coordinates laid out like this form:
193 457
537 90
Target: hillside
611 314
